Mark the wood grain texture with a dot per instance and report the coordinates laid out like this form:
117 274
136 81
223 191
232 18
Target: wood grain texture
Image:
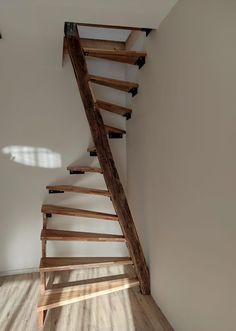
41 318
53 300
125 310
91 149
113 83
99 44
103 44
75 167
89 284
71 263
59 210
106 159
111 129
123 56
78 189
113 108
60 235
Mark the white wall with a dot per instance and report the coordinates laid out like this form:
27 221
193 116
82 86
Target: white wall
41 108
181 164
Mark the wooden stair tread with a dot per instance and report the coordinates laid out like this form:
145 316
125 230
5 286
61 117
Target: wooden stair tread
113 83
84 169
91 289
70 263
113 108
61 235
91 149
85 283
78 189
111 129
124 56
53 209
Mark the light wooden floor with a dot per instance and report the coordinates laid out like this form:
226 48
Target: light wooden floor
126 310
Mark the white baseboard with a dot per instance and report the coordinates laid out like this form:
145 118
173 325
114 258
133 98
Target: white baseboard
18 272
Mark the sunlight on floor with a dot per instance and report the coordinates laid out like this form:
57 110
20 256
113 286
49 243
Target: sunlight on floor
125 310
33 156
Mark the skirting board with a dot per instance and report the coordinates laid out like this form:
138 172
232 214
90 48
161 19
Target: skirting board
18 272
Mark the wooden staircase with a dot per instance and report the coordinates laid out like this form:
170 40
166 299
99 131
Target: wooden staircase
56 295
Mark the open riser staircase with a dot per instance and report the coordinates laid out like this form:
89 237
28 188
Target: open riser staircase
56 295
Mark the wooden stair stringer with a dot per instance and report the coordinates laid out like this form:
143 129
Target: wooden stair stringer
103 151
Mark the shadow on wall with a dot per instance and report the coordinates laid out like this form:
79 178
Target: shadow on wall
33 156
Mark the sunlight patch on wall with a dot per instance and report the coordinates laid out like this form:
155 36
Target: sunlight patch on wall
33 156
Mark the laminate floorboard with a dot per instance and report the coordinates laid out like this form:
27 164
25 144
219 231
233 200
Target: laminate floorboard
125 310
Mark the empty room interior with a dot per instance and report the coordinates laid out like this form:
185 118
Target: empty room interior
117 162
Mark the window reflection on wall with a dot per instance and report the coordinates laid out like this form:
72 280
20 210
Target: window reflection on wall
33 156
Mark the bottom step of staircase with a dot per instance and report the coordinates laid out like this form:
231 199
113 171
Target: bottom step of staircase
88 289
70 263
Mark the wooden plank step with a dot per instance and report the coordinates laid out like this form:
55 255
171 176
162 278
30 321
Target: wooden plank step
121 85
123 56
71 263
61 235
99 44
82 169
102 43
92 151
114 132
85 283
111 129
123 111
85 291
59 210
76 189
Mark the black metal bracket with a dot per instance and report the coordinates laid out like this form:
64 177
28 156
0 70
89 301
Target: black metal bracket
127 115
74 172
140 62
147 31
55 191
133 91
70 29
48 215
93 153
114 135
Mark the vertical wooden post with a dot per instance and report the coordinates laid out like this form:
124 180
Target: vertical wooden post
41 318
44 254
105 156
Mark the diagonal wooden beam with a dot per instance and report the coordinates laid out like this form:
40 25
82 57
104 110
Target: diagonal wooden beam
105 156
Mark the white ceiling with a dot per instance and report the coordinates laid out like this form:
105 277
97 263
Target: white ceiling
32 30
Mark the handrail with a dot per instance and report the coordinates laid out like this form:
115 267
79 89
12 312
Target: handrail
105 156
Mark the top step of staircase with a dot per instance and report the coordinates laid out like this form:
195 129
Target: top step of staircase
104 26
